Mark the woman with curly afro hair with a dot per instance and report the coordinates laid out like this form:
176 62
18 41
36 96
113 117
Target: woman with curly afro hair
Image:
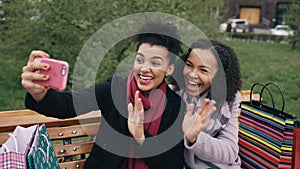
210 84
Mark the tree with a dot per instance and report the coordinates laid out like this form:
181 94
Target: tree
292 18
62 27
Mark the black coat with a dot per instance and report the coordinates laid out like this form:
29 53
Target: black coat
164 151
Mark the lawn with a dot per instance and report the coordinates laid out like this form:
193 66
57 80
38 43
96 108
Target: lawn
260 62
265 62
12 94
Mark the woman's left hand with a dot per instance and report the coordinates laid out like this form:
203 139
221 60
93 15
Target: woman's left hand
193 124
136 119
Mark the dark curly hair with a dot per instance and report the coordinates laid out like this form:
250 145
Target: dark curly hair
230 63
162 34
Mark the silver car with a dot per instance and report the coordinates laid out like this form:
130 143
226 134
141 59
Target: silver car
282 30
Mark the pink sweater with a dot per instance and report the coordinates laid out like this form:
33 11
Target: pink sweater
220 150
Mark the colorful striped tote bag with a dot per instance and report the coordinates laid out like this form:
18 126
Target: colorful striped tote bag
265 133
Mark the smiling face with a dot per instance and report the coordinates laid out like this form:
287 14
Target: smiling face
151 66
201 66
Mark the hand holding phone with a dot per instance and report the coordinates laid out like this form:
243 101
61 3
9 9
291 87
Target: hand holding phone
57 72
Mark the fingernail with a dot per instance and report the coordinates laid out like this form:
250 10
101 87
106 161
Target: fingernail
46 55
45 76
46 87
45 66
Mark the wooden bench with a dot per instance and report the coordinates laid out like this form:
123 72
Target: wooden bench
72 138
245 96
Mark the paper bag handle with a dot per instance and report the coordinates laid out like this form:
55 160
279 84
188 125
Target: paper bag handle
45 154
15 140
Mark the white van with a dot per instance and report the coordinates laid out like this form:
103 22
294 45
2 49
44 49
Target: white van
237 21
233 22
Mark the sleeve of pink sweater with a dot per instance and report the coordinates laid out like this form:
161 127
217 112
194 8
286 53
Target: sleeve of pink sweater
221 150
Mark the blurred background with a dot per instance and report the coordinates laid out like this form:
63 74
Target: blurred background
263 33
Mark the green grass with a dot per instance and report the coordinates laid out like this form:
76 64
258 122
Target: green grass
12 94
264 62
260 62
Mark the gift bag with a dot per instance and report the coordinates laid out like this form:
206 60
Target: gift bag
265 132
14 151
41 154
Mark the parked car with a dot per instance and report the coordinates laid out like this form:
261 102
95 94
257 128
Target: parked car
232 23
282 30
222 27
240 28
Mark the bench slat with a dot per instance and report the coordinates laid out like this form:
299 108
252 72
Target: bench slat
17 113
8 122
72 164
245 96
3 138
72 131
73 149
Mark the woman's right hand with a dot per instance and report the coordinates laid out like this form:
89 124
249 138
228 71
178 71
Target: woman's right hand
29 74
193 124
136 119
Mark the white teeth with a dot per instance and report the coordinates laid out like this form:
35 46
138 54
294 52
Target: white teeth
192 83
145 78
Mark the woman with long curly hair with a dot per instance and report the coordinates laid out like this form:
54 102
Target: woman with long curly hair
210 87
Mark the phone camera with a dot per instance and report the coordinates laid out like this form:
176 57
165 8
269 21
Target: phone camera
63 70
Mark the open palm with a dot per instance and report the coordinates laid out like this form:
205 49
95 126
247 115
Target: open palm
193 124
136 119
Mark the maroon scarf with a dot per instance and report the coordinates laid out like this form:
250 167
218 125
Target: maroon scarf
153 104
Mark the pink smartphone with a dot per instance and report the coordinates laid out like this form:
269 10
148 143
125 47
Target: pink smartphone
58 73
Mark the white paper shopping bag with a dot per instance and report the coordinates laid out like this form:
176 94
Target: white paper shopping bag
14 151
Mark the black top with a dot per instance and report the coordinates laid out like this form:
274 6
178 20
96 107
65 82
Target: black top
114 141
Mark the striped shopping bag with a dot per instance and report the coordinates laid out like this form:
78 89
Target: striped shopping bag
265 133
